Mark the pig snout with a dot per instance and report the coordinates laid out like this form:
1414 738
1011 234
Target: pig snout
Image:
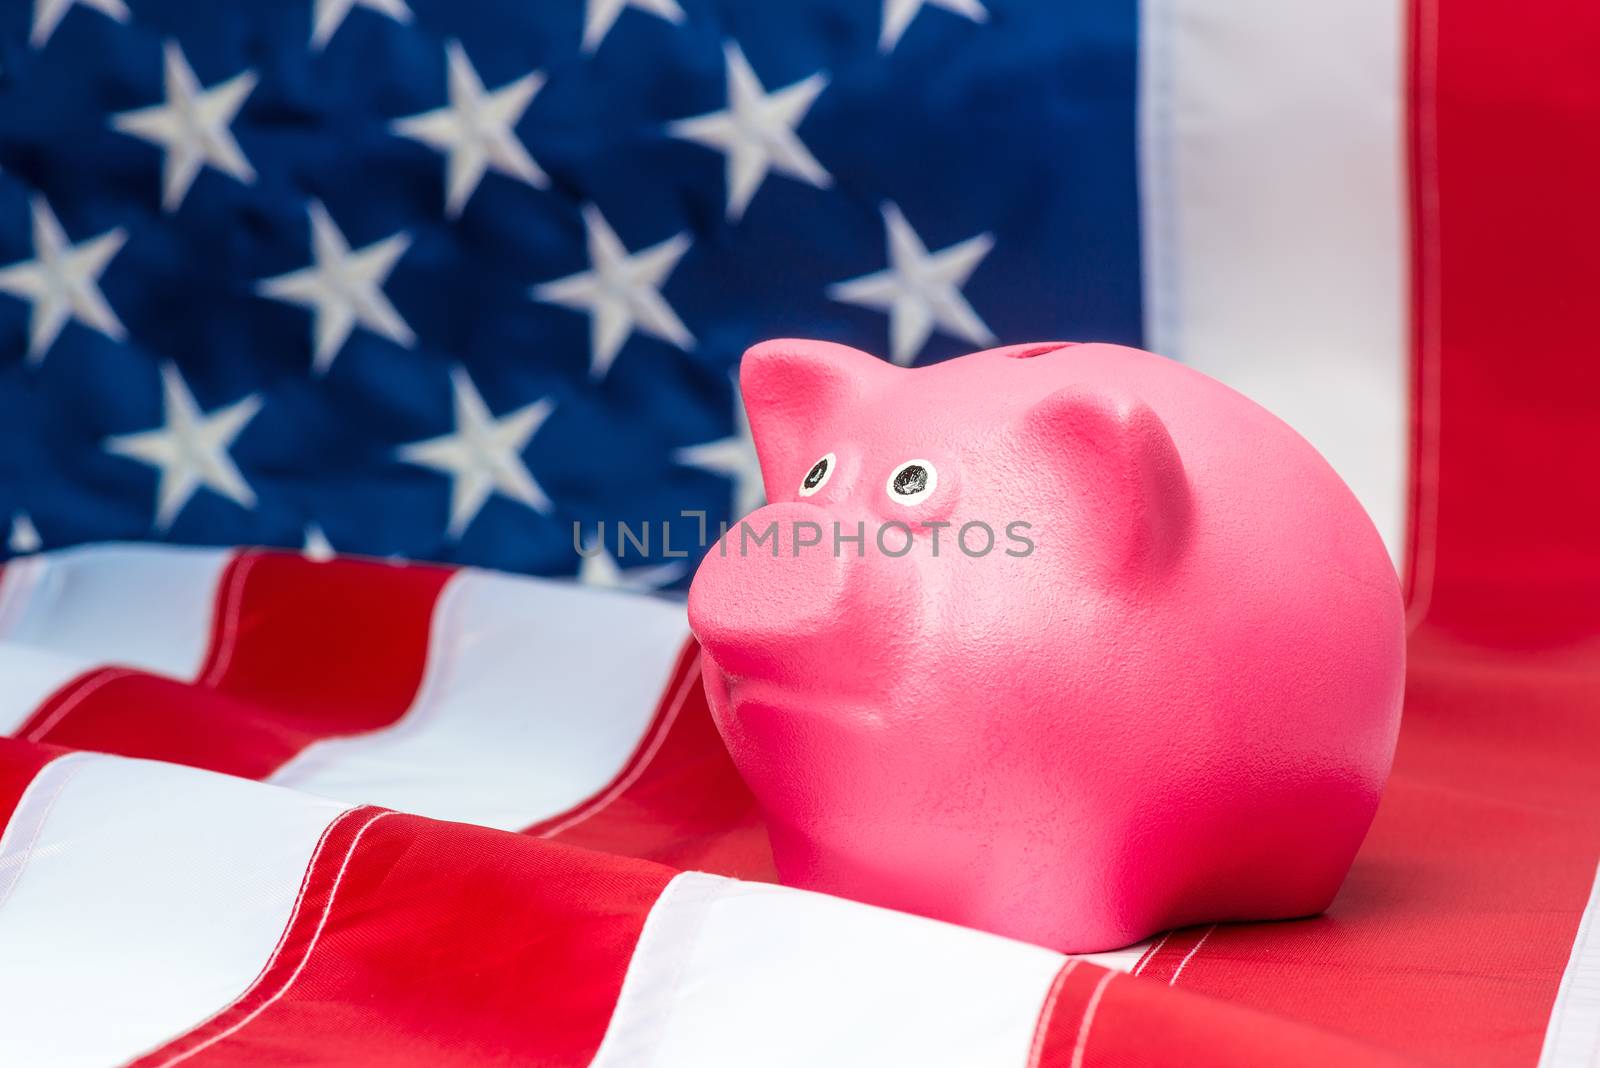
767 600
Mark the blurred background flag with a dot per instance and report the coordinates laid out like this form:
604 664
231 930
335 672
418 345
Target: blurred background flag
439 280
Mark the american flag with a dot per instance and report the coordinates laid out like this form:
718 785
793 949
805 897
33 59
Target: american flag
441 281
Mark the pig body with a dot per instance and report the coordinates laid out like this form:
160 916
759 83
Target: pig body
1167 694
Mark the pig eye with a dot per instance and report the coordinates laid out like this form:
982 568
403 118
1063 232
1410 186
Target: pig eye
818 476
912 482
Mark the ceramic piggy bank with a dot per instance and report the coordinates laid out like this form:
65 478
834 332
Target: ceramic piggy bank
1067 642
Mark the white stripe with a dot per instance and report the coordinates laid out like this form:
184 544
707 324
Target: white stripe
732 973
146 607
28 676
1275 246
263 1003
1573 1037
137 899
536 693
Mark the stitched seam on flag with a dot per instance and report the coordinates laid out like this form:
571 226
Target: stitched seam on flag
1150 953
1429 337
85 685
658 738
1088 1019
1042 1028
11 871
228 629
288 927
424 707
1190 955
311 945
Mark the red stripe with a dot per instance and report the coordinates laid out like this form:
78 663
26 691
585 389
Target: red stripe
1063 1013
1100 1018
300 651
1506 162
1170 956
428 944
19 764
344 641
679 800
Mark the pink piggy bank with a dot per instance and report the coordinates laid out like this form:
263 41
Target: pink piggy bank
1066 642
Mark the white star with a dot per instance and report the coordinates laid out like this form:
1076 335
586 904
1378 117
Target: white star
317 548
330 15
601 570
24 536
484 455
343 289
621 292
61 282
897 15
733 457
920 290
476 130
601 14
47 15
757 131
190 448
192 126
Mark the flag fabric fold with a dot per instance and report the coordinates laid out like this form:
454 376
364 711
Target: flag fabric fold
629 917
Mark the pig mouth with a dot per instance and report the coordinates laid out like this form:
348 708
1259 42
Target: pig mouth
749 698
730 688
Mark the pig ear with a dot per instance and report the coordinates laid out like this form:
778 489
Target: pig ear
1118 466
793 391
